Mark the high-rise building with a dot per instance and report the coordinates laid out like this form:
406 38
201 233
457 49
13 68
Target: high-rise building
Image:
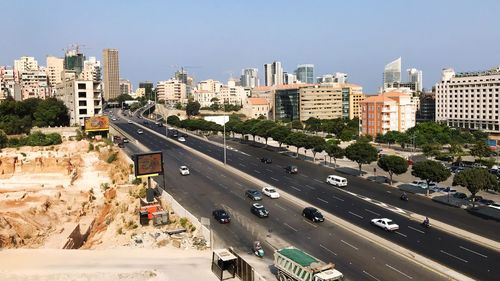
54 69
273 73
249 78
305 73
469 100
427 109
148 89
337 77
390 111
289 78
125 87
91 70
415 77
171 91
25 64
111 73
74 60
392 73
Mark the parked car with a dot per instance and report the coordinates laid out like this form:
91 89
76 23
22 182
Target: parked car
184 170
270 192
221 216
129 121
485 202
385 224
460 195
253 194
495 206
291 169
266 160
259 210
312 214
125 140
140 131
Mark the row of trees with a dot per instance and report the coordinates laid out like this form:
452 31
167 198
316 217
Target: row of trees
18 117
34 139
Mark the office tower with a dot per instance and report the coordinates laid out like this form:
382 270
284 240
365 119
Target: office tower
111 69
305 73
25 64
469 100
392 73
273 73
289 78
54 69
249 78
415 78
125 87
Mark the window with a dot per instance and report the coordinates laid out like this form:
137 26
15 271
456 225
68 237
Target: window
82 103
82 94
82 86
82 111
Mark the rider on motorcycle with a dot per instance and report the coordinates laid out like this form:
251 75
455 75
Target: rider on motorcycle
426 221
404 196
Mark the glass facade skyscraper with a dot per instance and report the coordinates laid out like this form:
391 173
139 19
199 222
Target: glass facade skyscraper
305 73
286 104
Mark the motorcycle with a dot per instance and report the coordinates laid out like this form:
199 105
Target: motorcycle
404 197
426 224
257 249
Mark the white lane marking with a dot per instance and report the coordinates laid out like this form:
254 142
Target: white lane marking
304 175
222 175
365 272
210 168
355 215
375 213
338 198
242 165
239 184
318 180
313 225
295 188
453 256
479 254
256 171
269 170
322 200
310 187
402 273
404 235
328 250
279 206
349 245
274 179
209 178
290 227
225 187
417 230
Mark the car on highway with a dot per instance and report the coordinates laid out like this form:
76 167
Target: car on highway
494 206
385 224
336 181
253 194
291 169
129 121
140 131
312 214
271 192
259 210
125 140
184 170
266 160
113 119
221 216
181 139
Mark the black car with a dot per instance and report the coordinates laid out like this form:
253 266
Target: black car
460 195
145 122
484 201
259 210
254 194
221 216
312 214
266 160
291 169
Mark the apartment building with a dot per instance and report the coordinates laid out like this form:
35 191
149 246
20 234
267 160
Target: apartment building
322 101
34 84
469 100
171 91
256 107
125 87
111 67
391 111
232 94
25 64
286 101
54 69
204 97
82 97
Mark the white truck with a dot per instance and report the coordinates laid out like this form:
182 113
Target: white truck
296 265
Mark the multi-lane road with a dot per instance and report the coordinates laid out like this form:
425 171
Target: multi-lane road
212 188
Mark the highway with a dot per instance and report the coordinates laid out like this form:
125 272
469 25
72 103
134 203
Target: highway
458 254
210 186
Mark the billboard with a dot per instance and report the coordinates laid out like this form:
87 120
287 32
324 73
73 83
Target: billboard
97 123
148 164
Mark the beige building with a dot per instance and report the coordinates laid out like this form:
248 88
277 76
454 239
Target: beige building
232 94
210 85
171 91
25 64
34 84
139 93
256 107
111 70
204 97
91 70
322 101
354 95
54 70
82 97
125 87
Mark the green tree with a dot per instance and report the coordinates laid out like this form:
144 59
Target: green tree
248 127
232 124
51 112
313 124
297 139
263 129
334 151
296 124
361 153
475 180
333 126
348 134
430 171
3 139
173 120
480 149
455 149
279 134
316 143
192 108
393 164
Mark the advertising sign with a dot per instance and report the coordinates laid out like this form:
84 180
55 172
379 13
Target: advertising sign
97 123
148 164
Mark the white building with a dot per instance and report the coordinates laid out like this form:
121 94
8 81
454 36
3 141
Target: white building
25 64
415 77
204 97
9 84
91 70
82 97
337 77
171 91
469 100
232 94
290 78
273 73
125 87
249 78
210 85
392 73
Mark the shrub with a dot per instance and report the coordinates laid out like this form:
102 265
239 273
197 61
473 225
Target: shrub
105 186
91 147
183 222
137 181
112 157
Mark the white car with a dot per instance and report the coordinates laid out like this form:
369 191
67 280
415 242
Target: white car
495 206
129 121
271 192
184 170
385 223
181 139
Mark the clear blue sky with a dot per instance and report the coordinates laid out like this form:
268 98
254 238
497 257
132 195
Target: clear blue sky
222 36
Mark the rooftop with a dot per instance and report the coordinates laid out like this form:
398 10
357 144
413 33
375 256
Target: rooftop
378 98
493 71
257 101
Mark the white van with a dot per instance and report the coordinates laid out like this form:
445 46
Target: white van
336 180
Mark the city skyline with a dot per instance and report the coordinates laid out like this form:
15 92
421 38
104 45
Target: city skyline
360 48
